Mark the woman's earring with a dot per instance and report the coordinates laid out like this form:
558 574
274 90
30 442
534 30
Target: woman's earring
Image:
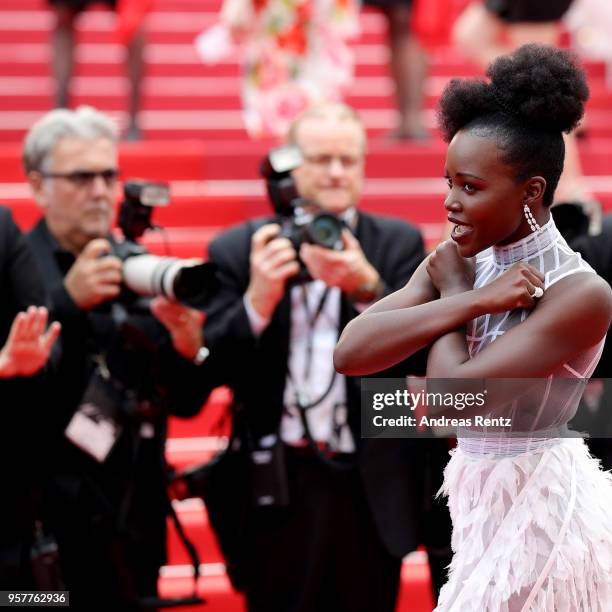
533 224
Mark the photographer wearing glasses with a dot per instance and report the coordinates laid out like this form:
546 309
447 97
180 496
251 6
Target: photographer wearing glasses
121 372
326 517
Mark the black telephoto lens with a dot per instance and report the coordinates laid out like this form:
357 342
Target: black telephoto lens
325 230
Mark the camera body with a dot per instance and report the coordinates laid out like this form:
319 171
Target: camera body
301 220
188 281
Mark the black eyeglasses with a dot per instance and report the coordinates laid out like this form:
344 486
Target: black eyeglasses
84 178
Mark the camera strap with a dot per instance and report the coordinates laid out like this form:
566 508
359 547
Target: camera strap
311 321
302 398
303 402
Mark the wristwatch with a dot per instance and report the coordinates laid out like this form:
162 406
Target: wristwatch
368 292
201 355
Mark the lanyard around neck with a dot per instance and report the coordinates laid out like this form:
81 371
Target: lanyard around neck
302 402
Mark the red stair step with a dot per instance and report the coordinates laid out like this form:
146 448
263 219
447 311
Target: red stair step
177 5
163 25
183 453
194 521
215 589
414 596
228 124
211 420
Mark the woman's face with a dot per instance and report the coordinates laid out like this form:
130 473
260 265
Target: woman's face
484 201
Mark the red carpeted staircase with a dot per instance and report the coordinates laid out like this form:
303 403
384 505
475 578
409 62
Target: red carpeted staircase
194 138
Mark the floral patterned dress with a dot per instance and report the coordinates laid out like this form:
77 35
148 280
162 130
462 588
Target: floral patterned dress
295 53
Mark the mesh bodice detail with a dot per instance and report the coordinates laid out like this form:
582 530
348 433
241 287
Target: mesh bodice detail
556 399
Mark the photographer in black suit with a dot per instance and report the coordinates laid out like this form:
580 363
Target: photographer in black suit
121 372
25 345
596 247
327 516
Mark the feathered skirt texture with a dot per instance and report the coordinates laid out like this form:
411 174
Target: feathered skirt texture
532 532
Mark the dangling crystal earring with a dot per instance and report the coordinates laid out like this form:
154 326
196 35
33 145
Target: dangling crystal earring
533 224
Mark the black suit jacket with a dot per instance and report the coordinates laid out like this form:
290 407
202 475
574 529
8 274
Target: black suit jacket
20 286
395 472
597 251
22 404
19 278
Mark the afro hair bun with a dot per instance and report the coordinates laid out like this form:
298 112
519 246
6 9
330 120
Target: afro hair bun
537 85
543 84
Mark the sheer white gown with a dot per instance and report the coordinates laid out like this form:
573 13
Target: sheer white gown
532 512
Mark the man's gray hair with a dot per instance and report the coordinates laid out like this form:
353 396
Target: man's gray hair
85 123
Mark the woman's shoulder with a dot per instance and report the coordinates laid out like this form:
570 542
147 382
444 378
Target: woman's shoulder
581 302
588 284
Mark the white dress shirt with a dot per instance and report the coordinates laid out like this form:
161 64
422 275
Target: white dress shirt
327 420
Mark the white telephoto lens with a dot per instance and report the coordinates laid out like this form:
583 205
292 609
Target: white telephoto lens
150 275
166 272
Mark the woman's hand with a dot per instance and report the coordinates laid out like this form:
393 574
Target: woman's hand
28 345
449 272
513 289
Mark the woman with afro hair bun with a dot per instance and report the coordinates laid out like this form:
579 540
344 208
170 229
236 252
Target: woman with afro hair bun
506 298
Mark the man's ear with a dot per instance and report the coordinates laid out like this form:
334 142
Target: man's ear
36 182
534 190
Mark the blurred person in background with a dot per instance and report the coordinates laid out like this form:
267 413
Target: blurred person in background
294 53
408 63
491 28
597 251
130 32
25 346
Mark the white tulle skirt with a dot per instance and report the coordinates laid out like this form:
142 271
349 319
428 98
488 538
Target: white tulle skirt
531 531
